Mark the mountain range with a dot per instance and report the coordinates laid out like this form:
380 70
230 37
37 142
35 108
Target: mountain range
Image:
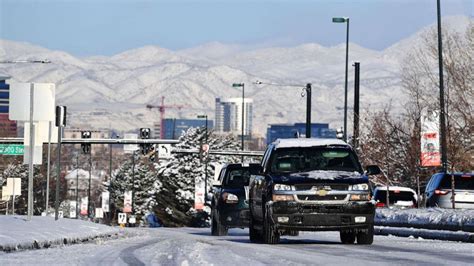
104 92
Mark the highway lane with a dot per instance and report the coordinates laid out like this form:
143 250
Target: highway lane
195 246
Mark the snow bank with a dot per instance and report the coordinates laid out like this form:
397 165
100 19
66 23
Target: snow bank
430 218
425 234
16 233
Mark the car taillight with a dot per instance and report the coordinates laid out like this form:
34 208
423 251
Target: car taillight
380 205
441 192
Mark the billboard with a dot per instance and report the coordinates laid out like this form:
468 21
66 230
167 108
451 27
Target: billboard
198 195
430 148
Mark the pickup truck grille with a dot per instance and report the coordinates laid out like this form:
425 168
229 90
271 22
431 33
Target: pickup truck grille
325 198
321 192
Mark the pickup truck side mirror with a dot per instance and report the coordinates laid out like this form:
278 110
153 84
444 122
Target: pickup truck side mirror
373 170
255 169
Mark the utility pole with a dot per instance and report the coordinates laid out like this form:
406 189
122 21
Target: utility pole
308 110
442 135
355 140
77 185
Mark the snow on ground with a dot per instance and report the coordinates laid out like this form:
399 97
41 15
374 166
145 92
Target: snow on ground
195 246
429 218
17 233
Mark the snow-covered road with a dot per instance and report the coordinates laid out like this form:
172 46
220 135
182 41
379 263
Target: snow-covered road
192 246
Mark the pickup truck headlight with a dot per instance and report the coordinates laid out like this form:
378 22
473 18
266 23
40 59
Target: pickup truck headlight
230 198
363 187
282 187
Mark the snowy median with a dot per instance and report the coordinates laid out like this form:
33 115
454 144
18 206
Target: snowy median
431 223
16 233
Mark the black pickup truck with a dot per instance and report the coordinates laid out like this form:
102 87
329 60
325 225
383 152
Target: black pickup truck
310 185
229 208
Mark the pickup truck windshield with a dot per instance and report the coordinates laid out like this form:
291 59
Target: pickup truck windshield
292 160
237 178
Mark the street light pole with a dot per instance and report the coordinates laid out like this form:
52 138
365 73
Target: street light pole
444 157
345 20
308 110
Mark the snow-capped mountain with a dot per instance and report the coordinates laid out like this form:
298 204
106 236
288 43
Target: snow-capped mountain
103 92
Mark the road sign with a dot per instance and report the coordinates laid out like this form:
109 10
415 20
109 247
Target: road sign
127 201
132 219
60 214
99 213
164 151
122 218
105 201
130 148
12 149
72 209
5 195
14 186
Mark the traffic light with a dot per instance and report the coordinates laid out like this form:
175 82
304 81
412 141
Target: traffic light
145 134
86 147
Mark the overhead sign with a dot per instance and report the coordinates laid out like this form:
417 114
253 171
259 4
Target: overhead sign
430 148
43 101
122 218
12 149
127 201
164 151
105 201
130 148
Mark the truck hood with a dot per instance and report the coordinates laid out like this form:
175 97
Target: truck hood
320 177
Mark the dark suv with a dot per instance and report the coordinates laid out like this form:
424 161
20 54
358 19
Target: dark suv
439 188
311 185
229 202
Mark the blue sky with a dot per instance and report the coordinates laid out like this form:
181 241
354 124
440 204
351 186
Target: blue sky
107 27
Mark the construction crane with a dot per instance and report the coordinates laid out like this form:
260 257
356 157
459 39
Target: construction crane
161 108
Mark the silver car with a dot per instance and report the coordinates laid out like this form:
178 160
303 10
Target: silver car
438 192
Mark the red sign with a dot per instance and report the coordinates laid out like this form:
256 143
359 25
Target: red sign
430 155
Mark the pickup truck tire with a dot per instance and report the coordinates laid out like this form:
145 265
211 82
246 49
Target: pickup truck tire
254 235
366 238
347 237
270 233
217 229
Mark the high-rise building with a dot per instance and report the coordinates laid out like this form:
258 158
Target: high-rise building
286 131
229 115
174 128
8 128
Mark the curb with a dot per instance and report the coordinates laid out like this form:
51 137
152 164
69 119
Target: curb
34 244
458 236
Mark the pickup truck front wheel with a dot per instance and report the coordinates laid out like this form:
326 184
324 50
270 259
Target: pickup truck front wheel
254 234
270 233
347 237
217 229
366 237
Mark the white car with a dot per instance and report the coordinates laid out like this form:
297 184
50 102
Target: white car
398 197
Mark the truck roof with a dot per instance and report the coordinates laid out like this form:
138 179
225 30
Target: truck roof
307 142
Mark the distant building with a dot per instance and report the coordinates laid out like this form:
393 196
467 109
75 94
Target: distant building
229 115
8 128
174 128
285 131
83 186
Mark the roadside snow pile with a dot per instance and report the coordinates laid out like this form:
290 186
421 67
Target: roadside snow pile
16 233
430 218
